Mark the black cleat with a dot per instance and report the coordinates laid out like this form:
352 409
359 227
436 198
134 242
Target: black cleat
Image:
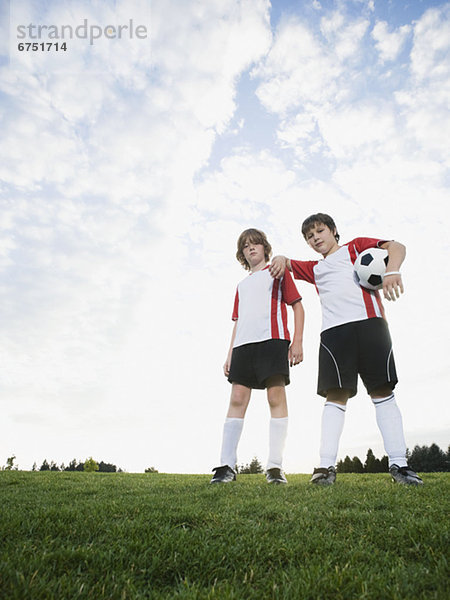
324 476
224 474
404 475
275 476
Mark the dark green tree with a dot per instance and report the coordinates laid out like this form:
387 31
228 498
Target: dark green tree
106 467
378 467
418 458
253 467
437 460
384 464
75 465
370 466
151 470
348 465
357 466
45 466
428 459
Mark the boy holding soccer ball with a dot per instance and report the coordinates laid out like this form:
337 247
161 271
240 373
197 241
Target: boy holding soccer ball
260 353
355 340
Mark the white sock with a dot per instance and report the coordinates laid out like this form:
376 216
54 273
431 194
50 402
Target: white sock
333 418
232 430
277 438
389 421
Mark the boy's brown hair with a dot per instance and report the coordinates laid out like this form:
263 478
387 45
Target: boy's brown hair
255 236
321 218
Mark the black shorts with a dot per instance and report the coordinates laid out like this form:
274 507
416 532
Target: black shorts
252 364
361 347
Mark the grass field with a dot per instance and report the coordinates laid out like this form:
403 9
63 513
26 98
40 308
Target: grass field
124 536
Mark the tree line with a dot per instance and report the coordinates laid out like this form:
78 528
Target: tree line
424 459
88 465
429 459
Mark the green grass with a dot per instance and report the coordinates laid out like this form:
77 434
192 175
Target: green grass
123 536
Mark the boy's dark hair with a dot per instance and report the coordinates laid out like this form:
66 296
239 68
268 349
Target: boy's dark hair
321 218
255 236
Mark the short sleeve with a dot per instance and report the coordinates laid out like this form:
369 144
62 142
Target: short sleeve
363 243
303 269
289 289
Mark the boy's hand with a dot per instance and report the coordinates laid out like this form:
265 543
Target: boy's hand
278 266
295 354
392 286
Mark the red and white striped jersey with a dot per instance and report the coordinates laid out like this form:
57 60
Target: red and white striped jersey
260 307
343 299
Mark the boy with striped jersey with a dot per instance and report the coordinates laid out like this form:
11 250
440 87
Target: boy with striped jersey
355 340
260 353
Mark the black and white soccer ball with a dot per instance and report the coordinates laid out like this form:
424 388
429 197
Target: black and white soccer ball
370 267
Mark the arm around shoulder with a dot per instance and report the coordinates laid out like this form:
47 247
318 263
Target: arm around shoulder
296 348
278 266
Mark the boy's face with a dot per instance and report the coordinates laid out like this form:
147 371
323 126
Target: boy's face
253 254
321 239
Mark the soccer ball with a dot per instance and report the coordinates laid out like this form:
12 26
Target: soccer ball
370 267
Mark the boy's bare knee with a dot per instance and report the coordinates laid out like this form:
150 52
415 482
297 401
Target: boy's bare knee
240 397
276 396
238 402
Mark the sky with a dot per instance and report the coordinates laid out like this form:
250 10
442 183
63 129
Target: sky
128 169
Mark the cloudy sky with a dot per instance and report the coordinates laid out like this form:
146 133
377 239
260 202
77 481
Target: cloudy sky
128 168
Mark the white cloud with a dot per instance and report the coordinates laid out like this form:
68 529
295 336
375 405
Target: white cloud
297 70
305 70
430 53
344 37
389 44
424 103
360 129
300 134
245 185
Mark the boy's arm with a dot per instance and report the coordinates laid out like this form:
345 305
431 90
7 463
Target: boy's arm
278 266
296 348
226 366
392 281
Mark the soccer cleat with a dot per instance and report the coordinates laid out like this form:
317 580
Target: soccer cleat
223 474
324 476
404 475
275 476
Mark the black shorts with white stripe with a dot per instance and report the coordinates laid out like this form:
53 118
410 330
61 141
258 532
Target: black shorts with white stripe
359 348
